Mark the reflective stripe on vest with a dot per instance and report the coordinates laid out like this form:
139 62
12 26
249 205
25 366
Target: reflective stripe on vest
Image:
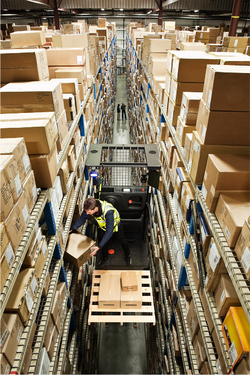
101 220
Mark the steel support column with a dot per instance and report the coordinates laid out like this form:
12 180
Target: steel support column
235 17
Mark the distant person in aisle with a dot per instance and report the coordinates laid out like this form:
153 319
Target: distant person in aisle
118 112
123 108
109 224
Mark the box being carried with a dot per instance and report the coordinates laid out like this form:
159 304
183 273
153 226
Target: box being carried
78 249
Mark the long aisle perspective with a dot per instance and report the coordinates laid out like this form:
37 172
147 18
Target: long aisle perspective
122 348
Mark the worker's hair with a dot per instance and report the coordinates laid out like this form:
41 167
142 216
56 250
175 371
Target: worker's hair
90 204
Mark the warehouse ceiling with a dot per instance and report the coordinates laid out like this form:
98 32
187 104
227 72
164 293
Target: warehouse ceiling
75 9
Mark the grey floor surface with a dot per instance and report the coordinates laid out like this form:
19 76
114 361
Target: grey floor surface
122 349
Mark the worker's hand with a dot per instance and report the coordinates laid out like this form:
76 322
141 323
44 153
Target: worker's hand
94 250
72 231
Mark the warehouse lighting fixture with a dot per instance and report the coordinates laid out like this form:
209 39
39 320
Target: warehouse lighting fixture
121 9
36 1
150 11
102 9
196 10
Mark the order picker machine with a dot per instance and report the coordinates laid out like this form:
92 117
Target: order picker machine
126 174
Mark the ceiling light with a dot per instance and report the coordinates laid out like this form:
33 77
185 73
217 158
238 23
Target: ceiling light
5 10
150 11
121 9
196 10
37 2
102 9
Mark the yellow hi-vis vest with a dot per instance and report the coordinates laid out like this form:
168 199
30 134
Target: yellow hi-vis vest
101 220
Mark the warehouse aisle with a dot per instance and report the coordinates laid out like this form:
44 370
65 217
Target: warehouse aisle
122 349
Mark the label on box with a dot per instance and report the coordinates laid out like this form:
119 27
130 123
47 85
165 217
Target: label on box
26 163
9 255
25 214
189 165
3 337
236 42
233 353
175 67
79 60
44 248
212 190
245 260
29 300
182 112
34 194
214 257
205 175
218 366
18 185
57 159
228 234
178 181
33 285
181 132
169 64
55 125
174 94
209 98
7 369
196 147
223 296
203 234
168 87
187 201
204 191
39 235
19 333
203 134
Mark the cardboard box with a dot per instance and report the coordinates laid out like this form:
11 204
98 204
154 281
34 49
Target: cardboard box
63 131
192 320
45 168
43 363
206 311
191 66
215 267
190 105
195 270
22 65
235 42
4 365
110 291
173 112
9 171
182 130
71 40
220 79
70 106
198 352
69 85
242 247
225 295
30 190
231 211
178 88
71 73
15 328
28 354
48 332
187 145
205 232
129 281
7 260
78 249
205 369
4 239
17 148
236 332
27 38
46 286
66 56
180 176
225 173
17 221
102 22
28 97
71 158
187 196
199 154
52 342
7 201
193 46
40 256
219 127
159 45
244 366
132 299
23 295
54 310
158 66
66 364
35 242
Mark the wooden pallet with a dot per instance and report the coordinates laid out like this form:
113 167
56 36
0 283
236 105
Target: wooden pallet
144 315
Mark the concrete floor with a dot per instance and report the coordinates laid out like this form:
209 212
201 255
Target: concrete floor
122 348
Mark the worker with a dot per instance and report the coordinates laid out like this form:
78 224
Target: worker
123 108
118 112
109 224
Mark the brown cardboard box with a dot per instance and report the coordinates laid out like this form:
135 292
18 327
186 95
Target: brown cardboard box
180 176
219 127
66 56
54 310
159 45
35 242
4 365
225 295
64 175
205 232
231 211
173 112
192 320
199 154
23 295
40 135
71 73
223 173
129 281
52 342
187 195
17 148
132 299
17 221
170 146
66 364
176 162
189 107
71 40
69 85
178 88
198 352
20 65
102 22
187 145
195 270
27 38
242 247
205 369
7 260
7 201
37 96
110 291
70 106
28 353
63 131
15 328
221 79
4 239
215 267
244 366
40 257
48 332
4 332
45 168
189 66
220 365
206 311
46 285
71 158
235 42
9 171
78 249
30 190
183 129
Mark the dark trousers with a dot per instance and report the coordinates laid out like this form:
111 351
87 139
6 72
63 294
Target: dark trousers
124 114
118 236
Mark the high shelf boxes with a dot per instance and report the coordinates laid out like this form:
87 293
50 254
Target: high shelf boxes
27 38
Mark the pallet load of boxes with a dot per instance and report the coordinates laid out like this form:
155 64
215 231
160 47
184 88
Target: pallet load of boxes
195 104
54 87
